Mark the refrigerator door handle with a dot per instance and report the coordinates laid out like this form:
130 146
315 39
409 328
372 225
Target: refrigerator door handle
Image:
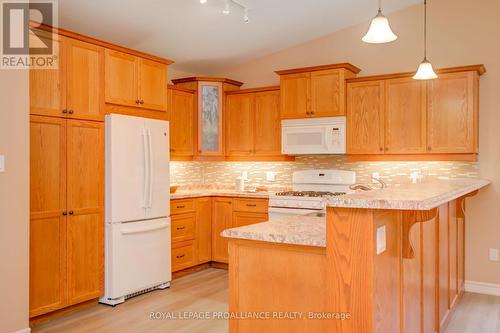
129 231
151 169
146 169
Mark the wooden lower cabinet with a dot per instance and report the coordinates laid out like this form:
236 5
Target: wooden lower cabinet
197 225
66 212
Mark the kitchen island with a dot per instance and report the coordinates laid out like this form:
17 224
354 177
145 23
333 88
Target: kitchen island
389 260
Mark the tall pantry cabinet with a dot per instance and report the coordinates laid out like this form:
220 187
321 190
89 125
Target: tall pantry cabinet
67 179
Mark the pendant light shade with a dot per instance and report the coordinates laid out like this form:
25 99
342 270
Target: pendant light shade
425 70
380 29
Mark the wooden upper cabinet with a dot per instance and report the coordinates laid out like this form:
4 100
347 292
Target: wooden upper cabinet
133 81
267 123
405 116
48 86
240 124
121 78
182 122
452 112
85 188
85 80
328 93
47 222
314 91
365 117
152 83
295 95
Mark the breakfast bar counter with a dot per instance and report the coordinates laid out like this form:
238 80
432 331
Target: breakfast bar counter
388 260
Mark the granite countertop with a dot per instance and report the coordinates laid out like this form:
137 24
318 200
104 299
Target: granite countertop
422 196
296 230
196 193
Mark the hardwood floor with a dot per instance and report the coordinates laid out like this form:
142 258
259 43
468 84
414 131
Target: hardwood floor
203 291
208 291
476 313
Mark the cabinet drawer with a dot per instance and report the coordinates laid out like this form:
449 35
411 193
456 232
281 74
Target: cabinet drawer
181 206
183 255
183 227
251 205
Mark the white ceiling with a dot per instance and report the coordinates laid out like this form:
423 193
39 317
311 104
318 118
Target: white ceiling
200 39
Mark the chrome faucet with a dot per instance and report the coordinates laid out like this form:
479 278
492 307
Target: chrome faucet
382 183
368 187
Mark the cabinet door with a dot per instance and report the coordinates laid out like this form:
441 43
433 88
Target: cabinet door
222 219
240 124
85 175
204 229
210 142
47 222
152 83
241 219
48 86
121 81
182 115
405 116
295 95
365 117
84 80
183 227
267 123
452 113
327 93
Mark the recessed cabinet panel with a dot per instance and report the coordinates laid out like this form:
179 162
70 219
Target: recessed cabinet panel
152 80
182 123
121 81
295 95
240 124
327 93
267 123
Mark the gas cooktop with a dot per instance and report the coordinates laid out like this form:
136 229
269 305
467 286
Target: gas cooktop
309 193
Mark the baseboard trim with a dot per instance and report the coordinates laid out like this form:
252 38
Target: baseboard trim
482 288
24 330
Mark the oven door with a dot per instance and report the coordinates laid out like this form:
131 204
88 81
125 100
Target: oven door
279 212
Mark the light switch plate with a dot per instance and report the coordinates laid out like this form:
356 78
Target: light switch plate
381 240
493 254
2 163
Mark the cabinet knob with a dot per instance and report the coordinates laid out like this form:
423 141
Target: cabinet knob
179 207
141 101
181 256
381 149
65 213
71 111
65 111
70 212
429 148
137 101
312 112
181 228
386 148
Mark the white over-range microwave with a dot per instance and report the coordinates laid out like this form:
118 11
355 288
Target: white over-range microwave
325 135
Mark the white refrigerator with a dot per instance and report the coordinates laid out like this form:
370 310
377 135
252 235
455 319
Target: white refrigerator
137 207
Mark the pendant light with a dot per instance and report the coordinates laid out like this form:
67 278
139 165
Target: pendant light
425 70
380 30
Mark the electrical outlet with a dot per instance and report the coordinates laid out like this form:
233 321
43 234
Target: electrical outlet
493 254
381 240
2 163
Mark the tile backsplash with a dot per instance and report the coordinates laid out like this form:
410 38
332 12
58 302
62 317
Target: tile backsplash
184 173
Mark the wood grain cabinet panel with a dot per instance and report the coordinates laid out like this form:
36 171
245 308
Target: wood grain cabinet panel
443 265
241 219
48 86
327 93
85 80
405 116
47 223
121 73
204 229
365 117
183 255
152 82
182 123
85 179
183 227
221 219
452 113
240 124
295 95
267 123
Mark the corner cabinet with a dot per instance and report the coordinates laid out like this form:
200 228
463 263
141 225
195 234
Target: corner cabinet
134 81
314 91
210 97
181 106
395 117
